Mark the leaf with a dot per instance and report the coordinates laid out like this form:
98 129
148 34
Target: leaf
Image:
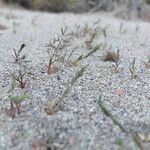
93 51
22 47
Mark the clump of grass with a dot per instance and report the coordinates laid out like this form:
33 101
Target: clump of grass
18 56
51 107
132 69
15 104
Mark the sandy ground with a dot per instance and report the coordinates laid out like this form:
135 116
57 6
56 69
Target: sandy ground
80 124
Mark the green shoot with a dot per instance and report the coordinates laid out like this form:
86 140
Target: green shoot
132 69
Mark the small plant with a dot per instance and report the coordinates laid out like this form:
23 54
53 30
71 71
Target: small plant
104 31
132 69
117 60
18 57
119 142
15 104
81 57
52 60
109 114
51 107
77 76
19 78
55 50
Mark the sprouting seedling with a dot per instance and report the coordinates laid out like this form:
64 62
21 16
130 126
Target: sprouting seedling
19 78
104 32
52 60
133 69
18 57
53 49
95 49
77 76
81 57
15 103
117 60
63 31
119 142
108 113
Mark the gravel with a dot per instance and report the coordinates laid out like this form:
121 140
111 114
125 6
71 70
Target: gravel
80 123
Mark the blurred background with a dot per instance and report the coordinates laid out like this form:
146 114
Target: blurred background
126 9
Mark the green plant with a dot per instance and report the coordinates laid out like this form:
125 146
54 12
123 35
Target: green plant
109 114
104 31
18 56
77 76
132 69
119 142
15 103
55 49
81 57
19 78
117 60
